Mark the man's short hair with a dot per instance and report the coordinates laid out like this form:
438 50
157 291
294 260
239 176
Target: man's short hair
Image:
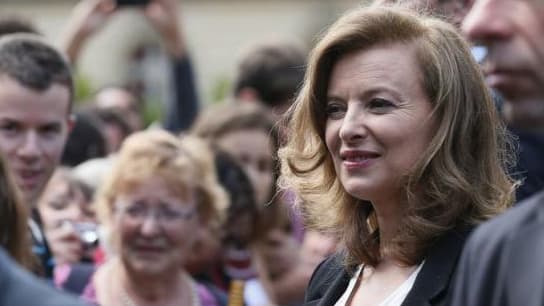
34 63
85 141
16 24
274 70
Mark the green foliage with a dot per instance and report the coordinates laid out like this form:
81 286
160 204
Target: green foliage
152 111
221 89
83 90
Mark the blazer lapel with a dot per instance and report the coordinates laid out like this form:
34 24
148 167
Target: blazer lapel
336 289
436 274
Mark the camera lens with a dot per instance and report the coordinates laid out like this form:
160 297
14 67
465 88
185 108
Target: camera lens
87 233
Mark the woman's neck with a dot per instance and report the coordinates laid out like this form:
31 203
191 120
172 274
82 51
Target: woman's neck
389 214
146 289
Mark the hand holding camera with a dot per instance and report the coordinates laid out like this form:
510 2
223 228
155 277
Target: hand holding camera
132 2
89 16
88 234
65 244
163 16
71 242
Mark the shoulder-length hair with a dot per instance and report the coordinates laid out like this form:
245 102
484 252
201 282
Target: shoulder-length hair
14 234
460 178
233 116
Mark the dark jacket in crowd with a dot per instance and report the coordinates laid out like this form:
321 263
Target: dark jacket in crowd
503 262
19 287
40 246
530 166
182 108
432 285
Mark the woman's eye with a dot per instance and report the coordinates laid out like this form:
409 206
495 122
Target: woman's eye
335 110
58 204
379 104
135 211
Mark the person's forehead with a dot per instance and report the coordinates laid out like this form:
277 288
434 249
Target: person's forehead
20 103
416 4
163 186
159 199
252 141
57 189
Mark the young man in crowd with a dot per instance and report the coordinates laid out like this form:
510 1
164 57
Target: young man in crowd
270 73
36 93
502 262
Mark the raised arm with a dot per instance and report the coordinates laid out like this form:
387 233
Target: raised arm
87 17
183 108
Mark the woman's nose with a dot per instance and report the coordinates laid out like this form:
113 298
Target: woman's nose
150 225
353 126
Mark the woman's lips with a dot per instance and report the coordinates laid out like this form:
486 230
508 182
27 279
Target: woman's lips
150 247
355 159
28 179
358 163
148 251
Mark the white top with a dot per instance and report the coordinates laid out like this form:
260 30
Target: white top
254 294
394 299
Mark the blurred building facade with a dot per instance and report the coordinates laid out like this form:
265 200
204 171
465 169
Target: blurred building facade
216 30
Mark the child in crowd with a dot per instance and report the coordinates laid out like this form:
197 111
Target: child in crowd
246 132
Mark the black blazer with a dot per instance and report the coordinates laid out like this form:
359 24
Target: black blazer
431 287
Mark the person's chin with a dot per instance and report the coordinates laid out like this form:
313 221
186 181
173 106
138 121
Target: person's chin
147 266
30 195
30 189
359 187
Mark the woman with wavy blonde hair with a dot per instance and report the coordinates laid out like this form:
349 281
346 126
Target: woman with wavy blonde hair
395 147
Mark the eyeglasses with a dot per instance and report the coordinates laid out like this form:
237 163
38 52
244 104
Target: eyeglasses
138 212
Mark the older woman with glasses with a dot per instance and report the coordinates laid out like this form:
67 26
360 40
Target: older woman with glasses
156 198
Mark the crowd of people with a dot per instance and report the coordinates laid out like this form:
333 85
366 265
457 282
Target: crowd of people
399 162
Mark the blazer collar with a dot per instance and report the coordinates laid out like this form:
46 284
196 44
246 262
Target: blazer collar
337 287
431 283
437 272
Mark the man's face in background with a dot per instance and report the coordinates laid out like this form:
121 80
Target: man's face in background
513 33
